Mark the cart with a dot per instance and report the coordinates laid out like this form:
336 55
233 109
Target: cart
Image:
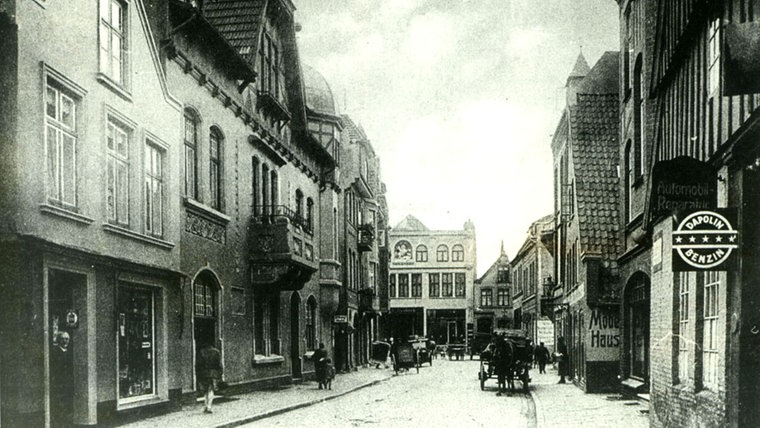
405 357
456 350
522 358
425 349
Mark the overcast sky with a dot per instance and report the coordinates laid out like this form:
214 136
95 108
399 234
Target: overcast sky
459 98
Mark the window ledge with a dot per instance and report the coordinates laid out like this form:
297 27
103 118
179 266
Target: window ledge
140 402
138 236
63 212
259 359
206 211
113 86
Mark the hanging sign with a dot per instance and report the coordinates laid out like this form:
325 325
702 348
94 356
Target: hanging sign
705 241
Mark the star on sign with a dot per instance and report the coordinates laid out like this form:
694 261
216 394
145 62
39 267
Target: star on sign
678 239
718 238
731 238
705 239
692 239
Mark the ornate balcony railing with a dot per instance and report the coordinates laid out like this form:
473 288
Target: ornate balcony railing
269 213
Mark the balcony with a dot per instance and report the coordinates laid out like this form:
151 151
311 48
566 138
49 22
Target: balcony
281 249
269 102
329 285
366 237
369 302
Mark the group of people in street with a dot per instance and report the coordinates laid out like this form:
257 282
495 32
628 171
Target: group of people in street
542 357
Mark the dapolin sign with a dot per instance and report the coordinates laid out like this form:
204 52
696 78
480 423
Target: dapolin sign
705 241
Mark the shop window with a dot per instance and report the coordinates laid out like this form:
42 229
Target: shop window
137 377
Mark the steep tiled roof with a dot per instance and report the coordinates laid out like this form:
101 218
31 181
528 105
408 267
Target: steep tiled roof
355 131
603 78
581 67
238 21
594 123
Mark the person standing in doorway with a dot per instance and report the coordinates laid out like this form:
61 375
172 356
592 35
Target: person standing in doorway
542 357
561 357
61 381
208 368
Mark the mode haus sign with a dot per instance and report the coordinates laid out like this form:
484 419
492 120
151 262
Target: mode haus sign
705 240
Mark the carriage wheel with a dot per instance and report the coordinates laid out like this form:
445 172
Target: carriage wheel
482 376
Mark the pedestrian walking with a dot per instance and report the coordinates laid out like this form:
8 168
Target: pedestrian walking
542 357
320 365
503 356
562 359
208 368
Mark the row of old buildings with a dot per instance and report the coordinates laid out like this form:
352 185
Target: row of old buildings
173 176
648 265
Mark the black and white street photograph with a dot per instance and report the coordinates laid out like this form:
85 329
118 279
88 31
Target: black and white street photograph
380 213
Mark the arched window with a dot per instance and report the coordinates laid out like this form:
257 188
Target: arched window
638 117
311 323
192 121
256 183
310 214
457 253
421 254
215 167
442 253
299 204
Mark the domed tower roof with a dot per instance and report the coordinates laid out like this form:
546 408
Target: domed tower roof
319 96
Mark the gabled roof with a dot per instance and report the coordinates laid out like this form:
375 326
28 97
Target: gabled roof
411 223
239 21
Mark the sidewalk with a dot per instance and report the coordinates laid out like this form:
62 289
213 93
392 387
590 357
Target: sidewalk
566 405
244 408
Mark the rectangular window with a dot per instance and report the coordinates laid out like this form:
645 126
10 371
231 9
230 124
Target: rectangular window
191 142
61 146
403 285
486 298
117 174
714 57
683 326
502 297
459 282
417 285
711 310
446 285
434 285
215 168
311 329
154 190
112 39
392 285
502 275
421 254
137 374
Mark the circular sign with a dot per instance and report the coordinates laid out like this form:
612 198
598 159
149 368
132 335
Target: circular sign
705 239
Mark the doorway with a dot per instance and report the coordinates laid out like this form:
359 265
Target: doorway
205 311
65 341
637 327
295 336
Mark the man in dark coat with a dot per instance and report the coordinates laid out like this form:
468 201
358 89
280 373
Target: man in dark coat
320 364
561 357
503 356
208 368
61 382
542 357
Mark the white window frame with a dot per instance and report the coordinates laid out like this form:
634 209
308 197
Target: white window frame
713 57
114 160
57 165
711 331
113 66
684 290
151 178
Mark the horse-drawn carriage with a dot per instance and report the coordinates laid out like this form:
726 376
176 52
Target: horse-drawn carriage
405 356
514 355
